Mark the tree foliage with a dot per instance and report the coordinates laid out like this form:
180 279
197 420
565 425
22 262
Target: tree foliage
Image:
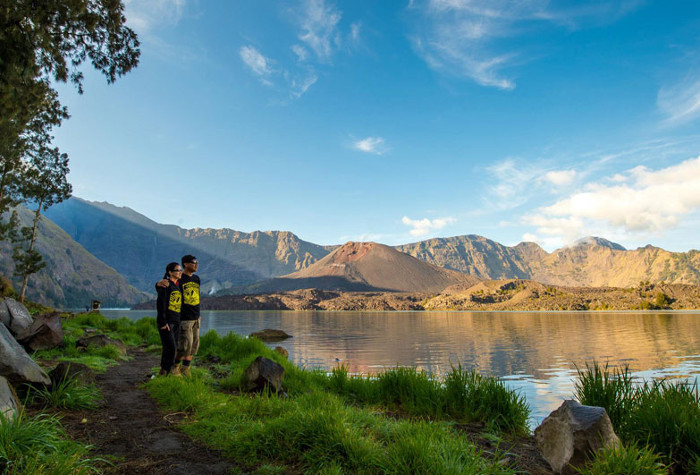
41 42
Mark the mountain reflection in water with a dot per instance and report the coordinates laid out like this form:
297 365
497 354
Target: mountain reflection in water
533 352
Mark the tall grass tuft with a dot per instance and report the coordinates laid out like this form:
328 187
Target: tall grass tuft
629 460
413 391
667 417
597 386
663 416
66 394
39 445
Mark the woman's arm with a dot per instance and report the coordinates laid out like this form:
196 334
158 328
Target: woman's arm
162 306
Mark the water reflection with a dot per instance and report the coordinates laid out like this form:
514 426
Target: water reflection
534 352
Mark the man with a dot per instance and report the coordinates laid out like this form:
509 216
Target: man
190 320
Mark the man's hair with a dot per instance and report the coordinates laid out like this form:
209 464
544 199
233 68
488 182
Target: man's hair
188 258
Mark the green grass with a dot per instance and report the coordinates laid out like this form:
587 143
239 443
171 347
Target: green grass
660 415
67 394
32 445
140 332
317 432
630 460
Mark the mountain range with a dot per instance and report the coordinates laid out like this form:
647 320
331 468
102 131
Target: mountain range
138 249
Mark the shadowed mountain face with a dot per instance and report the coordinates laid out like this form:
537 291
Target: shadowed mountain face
72 276
140 248
591 261
368 266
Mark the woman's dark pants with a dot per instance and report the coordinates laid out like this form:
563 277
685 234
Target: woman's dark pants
169 339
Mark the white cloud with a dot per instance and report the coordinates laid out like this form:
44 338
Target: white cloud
680 103
460 37
144 15
513 182
560 177
355 31
299 87
373 145
422 227
301 52
646 201
319 28
258 64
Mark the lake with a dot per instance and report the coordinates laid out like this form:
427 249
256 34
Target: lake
535 353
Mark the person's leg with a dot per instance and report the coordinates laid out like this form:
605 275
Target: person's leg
193 346
184 348
168 355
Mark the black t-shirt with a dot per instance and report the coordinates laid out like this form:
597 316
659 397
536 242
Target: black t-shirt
169 303
190 297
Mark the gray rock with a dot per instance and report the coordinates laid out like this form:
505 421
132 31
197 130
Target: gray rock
4 314
282 351
263 372
78 371
46 332
569 436
269 334
99 341
15 364
9 402
20 319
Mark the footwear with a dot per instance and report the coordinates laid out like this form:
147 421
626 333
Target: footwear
175 371
186 371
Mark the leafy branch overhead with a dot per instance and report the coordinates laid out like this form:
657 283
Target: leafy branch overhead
43 42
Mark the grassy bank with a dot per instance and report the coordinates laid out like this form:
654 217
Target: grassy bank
402 421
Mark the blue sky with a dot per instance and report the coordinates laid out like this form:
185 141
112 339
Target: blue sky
398 121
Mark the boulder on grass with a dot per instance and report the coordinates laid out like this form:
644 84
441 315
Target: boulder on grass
66 371
269 334
282 351
263 372
99 341
15 364
9 402
20 319
45 333
569 436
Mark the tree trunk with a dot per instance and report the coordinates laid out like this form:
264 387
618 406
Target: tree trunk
37 216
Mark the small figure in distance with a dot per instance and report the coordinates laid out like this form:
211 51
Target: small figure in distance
168 304
190 319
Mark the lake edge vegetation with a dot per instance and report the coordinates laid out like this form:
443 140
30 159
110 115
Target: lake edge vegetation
402 420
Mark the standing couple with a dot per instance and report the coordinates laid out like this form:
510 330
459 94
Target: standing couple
178 316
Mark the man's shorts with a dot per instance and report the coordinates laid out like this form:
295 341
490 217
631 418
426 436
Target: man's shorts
188 344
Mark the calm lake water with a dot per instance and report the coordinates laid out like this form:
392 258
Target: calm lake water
535 353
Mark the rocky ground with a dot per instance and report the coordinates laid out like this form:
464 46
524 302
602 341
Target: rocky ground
494 295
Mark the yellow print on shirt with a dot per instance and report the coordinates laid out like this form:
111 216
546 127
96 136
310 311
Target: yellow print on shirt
175 301
191 293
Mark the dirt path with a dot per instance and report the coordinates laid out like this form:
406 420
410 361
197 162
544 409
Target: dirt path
129 426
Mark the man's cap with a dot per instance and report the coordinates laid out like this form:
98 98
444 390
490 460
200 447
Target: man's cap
188 258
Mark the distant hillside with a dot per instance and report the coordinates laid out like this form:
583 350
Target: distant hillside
367 266
590 262
72 276
140 248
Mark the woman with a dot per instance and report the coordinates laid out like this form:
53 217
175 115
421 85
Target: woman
168 305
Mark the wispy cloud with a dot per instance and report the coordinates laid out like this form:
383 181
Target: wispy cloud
680 103
319 28
560 177
461 37
375 145
257 63
145 15
638 201
422 227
